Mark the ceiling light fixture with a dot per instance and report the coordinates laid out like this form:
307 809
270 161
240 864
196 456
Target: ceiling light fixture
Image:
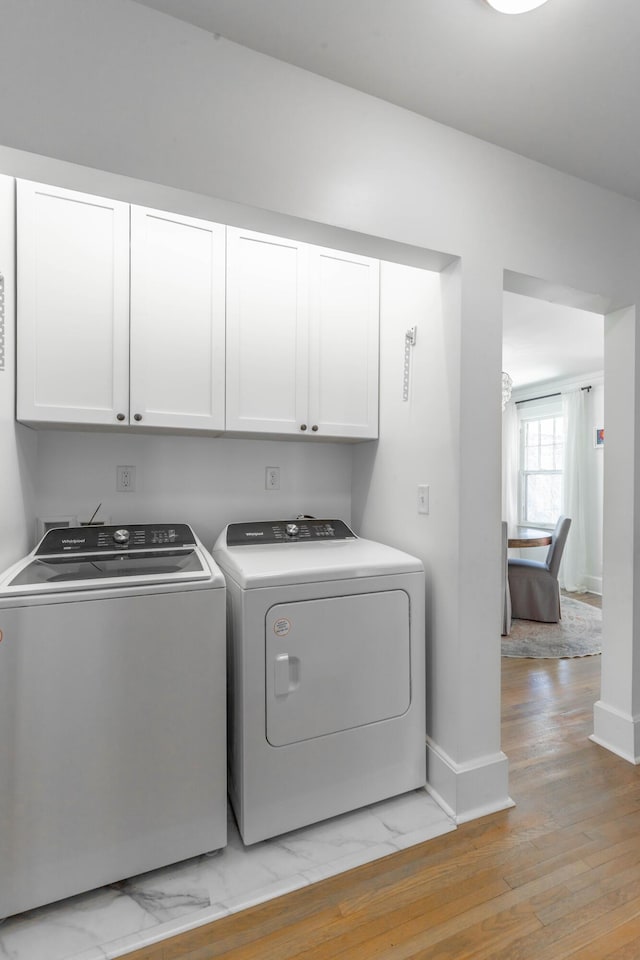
515 6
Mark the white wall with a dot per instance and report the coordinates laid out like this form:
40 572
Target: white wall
115 86
413 449
109 85
418 445
617 713
207 482
17 444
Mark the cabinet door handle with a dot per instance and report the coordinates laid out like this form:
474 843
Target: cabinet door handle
120 416
315 428
137 416
303 426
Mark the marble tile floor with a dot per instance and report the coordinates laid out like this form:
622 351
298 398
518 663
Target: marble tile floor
122 917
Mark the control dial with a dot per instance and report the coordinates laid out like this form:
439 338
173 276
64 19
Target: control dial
292 529
121 536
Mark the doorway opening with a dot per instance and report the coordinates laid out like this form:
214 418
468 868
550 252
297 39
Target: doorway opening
553 466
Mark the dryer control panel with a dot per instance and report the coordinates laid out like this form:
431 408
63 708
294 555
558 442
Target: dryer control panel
303 530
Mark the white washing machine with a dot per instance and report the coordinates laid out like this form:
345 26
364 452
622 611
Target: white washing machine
326 661
112 709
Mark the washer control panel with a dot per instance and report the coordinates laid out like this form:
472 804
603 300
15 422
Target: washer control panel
302 530
107 539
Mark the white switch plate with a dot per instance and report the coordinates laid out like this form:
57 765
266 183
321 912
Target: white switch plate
423 498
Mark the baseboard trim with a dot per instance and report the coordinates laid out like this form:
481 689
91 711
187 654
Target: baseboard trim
616 731
467 791
594 585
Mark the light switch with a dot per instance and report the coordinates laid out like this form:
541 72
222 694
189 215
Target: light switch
423 498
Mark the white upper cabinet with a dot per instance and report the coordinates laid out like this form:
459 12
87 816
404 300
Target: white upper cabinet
177 321
133 317
302 339
73 306
119 323
267 328
343 344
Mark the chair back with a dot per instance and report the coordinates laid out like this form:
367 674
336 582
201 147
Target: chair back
558 540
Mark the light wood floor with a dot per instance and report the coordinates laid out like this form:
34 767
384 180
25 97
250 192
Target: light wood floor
593 599
557 876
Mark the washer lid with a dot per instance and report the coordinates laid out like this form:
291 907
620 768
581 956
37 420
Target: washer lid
309 561
79 558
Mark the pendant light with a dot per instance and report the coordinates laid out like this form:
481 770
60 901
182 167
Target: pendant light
507 384
515 6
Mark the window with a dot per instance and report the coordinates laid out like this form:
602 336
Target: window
541 454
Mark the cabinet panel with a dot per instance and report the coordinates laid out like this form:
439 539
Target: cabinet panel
266 332
177 321
343 344
73 306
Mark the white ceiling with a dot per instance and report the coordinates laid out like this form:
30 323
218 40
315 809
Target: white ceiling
560 85
545 341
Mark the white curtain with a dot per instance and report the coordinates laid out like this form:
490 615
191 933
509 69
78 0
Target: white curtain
574 495
510 463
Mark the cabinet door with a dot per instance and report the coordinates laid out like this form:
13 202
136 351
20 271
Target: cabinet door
177 321
266 333
73 306
343 344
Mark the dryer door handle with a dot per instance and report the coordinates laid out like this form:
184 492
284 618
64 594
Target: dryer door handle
286 674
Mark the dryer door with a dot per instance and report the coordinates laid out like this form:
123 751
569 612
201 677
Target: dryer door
336 663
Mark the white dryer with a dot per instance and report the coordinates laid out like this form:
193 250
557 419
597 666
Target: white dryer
326 662
112 709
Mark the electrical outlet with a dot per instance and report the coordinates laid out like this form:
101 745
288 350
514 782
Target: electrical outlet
272 478
125 479
423 498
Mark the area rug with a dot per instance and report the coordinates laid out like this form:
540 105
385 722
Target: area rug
579 634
